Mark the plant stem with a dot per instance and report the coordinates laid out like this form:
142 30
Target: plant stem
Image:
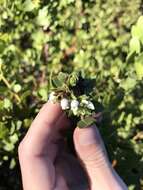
9 87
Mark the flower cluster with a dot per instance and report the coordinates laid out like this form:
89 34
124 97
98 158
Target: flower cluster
73 105
73 92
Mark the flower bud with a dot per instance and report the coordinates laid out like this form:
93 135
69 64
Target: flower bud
64 104
74 104
88 104
52 97
84 102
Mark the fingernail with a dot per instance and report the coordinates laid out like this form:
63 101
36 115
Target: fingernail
89 136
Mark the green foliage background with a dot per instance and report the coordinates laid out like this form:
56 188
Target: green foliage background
39 36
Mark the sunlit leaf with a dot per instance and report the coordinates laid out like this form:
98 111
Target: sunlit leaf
43 93
135 45
7 103
17 88
128 83
43 19
139 69
29 5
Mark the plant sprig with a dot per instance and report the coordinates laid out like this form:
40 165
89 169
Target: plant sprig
71 91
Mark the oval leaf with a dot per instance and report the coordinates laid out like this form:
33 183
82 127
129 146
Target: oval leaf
135 45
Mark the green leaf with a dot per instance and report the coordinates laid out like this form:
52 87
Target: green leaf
43 19
140 23
86 122
7 103
12 163
2 46
17 88
140 19
128 84
139 66
115 70
18 124
9 146
3 131
131 56
62 76
14 138
12 129
43 93
139 69
140 58
136 32
28 6
135 45
60 80
74 78
56 83
39 38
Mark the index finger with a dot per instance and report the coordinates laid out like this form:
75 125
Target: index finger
43 128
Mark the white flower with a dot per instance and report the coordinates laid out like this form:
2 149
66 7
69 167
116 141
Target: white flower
84 102
88 104
64 104
74 104
52 96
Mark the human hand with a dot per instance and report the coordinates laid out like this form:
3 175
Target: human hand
45 164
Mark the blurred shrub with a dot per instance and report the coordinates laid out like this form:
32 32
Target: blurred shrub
37 37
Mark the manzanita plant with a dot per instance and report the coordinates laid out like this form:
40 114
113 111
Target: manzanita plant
74 95
37 37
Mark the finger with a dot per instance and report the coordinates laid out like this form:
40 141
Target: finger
69 167
91 151
89 145
44 129
55 145
36 158
60 183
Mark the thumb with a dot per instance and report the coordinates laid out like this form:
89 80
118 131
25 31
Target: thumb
90 148
92 154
